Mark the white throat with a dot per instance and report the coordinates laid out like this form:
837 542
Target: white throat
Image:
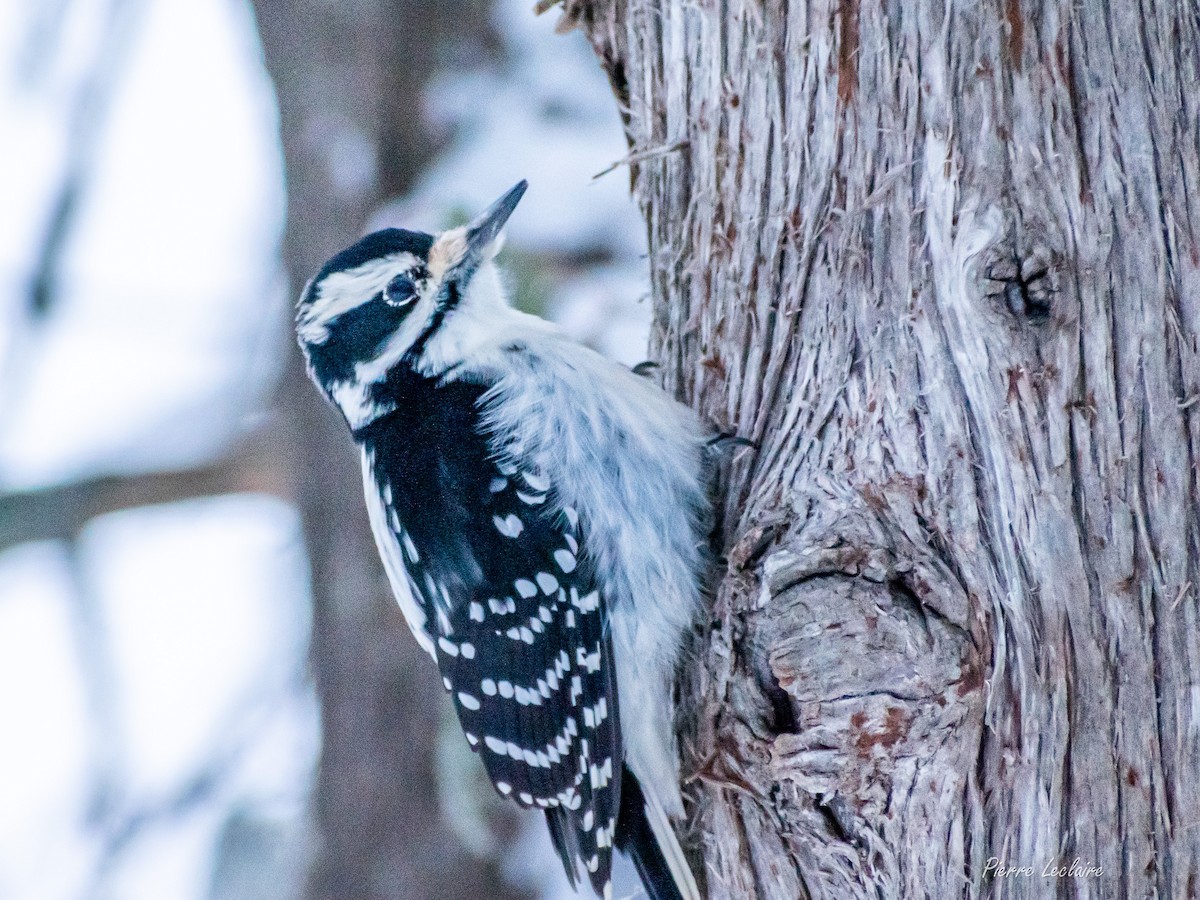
480 326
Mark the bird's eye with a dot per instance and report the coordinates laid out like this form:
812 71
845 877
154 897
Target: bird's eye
400 291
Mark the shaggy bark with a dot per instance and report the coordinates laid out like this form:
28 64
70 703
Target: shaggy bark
941 262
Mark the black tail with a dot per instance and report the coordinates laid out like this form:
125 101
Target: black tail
636 839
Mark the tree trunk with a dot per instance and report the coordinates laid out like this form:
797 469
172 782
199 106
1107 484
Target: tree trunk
941 262
348 78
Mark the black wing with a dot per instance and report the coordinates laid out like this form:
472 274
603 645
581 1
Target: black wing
519 620
533 678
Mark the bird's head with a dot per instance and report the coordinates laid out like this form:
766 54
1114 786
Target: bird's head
382 302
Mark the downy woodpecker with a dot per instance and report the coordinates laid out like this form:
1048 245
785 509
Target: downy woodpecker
539 511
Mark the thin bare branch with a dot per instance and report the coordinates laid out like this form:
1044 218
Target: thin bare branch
85 134
59 512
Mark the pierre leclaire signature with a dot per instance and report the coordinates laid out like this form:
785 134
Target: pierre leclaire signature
1054 868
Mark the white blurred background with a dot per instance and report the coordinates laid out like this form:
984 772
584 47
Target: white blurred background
163 716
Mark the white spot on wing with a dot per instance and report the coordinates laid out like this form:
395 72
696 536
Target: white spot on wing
510 526
589 661
539 483
565 560
589 603
411 549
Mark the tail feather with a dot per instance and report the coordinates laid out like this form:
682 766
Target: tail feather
562 834
644 834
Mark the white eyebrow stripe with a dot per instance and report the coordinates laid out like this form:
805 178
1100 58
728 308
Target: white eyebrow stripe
340 292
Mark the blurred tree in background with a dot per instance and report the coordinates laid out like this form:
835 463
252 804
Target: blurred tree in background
173 492
349 79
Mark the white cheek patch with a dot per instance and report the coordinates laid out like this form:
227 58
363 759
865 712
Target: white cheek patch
353 395
343 291
377 368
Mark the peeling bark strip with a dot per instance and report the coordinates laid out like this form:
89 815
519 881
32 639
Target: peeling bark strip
847 80
942 264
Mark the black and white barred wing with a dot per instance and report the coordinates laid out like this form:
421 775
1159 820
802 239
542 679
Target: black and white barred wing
530 666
